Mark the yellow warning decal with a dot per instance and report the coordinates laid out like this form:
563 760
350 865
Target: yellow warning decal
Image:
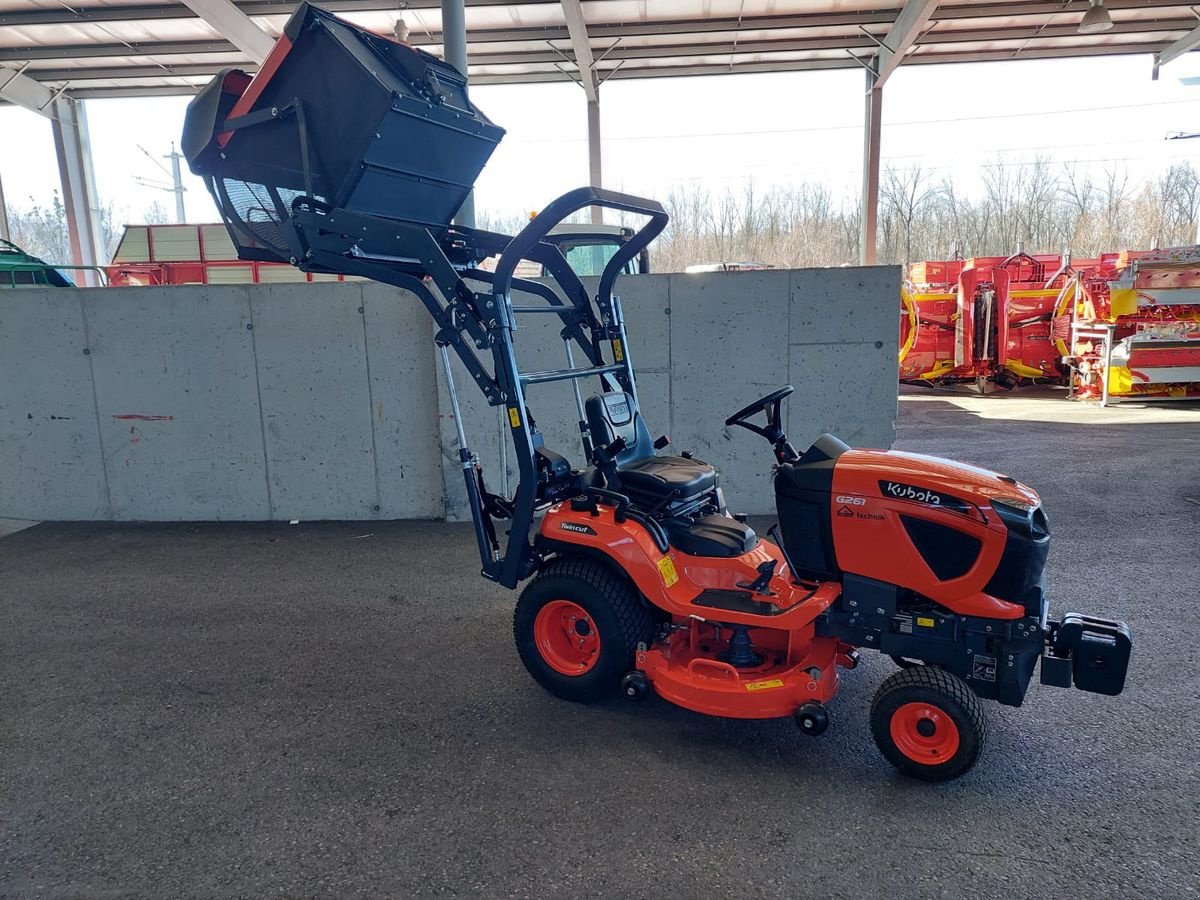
764 685
925 622
667 568
514 417
618 351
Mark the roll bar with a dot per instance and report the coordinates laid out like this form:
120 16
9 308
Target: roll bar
573 201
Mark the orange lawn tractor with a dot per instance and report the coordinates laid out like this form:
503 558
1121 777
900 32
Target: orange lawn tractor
350 153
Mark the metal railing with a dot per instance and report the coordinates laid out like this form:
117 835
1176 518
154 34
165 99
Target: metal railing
9 273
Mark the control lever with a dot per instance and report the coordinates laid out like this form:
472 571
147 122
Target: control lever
605 455
605 458
761 584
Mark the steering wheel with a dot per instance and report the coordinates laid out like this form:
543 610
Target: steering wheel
759 405
773 430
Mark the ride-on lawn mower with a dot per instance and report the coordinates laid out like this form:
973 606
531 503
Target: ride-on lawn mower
351 153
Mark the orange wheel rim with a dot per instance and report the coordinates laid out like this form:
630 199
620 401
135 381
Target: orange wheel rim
566 637
924 733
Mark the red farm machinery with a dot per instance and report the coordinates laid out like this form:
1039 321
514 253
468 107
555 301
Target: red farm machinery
1120 325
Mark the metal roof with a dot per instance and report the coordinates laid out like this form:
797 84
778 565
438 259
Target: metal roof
107 48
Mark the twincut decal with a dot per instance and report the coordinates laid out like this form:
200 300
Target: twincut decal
576 527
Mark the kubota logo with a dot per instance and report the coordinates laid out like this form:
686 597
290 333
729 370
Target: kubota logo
908 492
927 496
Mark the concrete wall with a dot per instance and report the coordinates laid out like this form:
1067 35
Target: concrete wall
318 401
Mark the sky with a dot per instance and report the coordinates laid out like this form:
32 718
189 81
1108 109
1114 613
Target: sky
718 132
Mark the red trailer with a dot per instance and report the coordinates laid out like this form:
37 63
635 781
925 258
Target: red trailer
192 254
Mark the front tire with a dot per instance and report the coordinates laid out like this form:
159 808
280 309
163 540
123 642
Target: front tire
577 627
928 723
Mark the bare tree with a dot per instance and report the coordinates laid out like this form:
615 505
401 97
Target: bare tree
902 197
1034 204
41 230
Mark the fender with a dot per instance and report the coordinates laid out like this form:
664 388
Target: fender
673 581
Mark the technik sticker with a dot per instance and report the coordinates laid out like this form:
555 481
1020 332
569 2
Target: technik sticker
898 491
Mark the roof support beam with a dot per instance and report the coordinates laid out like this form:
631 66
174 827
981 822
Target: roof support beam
68 123
73 148
234 25
1188 42
913 19
98 51
872 136
595 156
581 45
454 47
4 233
84 90
930 43
20 89
63 15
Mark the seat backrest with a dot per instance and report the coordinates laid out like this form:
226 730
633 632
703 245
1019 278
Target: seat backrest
615 415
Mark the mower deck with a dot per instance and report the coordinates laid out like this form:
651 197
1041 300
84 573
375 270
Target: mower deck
690 669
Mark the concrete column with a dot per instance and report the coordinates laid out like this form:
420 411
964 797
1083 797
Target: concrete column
4 234
454 48
74 151
872 130
594 157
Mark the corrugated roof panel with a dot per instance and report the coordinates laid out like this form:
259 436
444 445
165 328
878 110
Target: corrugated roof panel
529 40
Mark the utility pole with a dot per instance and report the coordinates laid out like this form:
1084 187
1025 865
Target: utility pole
177 178
175 187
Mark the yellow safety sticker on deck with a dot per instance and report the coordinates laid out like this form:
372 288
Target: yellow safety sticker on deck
667 568
925 622
514 417
618 351
764 685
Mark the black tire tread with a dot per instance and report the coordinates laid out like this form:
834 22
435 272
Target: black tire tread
634 619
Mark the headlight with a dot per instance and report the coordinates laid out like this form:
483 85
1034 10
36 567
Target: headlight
1022 517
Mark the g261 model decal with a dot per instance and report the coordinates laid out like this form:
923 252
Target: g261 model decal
898 491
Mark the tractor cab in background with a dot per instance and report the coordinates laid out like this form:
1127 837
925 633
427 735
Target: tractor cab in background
20 270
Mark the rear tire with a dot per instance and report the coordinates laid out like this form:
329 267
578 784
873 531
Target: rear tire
928 723
577 627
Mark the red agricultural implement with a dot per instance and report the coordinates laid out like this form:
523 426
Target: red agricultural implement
152 255
1118 325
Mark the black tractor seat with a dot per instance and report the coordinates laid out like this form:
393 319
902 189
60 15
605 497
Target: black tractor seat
649 480
661 475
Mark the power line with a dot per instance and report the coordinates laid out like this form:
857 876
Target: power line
855 170
855 127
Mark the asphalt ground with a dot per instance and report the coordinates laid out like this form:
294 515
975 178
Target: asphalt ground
338 709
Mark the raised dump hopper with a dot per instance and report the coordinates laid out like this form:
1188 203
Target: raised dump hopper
355 120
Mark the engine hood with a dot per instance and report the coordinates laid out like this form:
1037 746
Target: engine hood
896 471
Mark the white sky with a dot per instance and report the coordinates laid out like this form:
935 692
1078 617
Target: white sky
719 131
